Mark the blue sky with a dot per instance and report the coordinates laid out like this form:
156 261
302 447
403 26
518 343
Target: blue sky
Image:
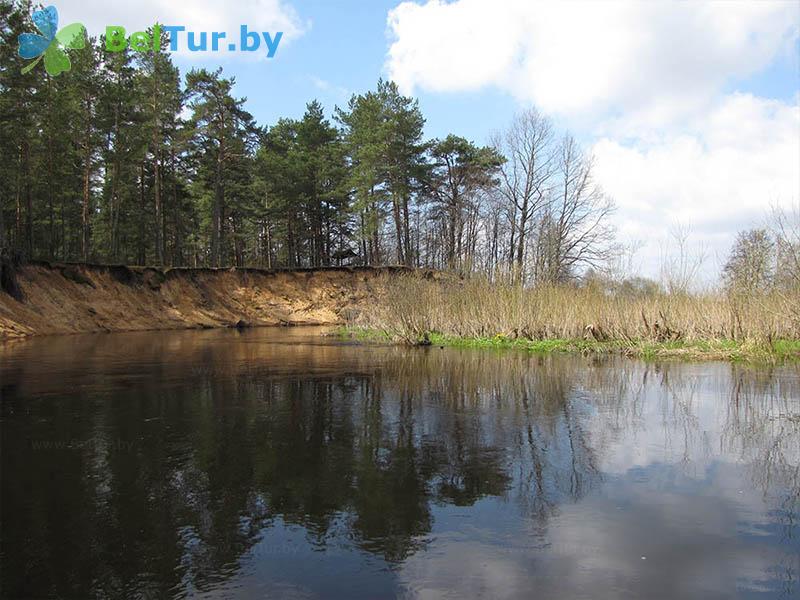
689 108
342 53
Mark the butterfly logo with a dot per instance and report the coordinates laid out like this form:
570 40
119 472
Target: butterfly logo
50 45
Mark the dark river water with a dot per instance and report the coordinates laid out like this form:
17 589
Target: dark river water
277 463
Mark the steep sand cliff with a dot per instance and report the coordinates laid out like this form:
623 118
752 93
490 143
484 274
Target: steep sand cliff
67 298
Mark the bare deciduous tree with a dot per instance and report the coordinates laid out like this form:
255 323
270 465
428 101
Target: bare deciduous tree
573 229
525 176
681 266
786 232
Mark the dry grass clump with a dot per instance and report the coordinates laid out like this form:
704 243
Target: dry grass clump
411 306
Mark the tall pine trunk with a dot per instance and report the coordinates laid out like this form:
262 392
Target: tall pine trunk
159 217
409 259
18 205
114 199
216 226
142 252
26 177
87 171
177 251
451 235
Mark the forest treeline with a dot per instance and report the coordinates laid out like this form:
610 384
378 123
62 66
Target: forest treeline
123 160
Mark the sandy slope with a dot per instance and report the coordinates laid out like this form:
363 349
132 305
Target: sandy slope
82 298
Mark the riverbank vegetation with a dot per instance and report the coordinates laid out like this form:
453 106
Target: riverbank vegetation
754 313
587 319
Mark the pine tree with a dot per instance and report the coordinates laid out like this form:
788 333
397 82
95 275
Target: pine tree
18 93
383 133
223 132
459 172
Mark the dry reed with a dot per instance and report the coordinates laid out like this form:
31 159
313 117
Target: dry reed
412 306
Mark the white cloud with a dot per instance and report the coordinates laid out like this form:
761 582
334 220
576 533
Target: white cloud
720 173
197 15
645 82
662 59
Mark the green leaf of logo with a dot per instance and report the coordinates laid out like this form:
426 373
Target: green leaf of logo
72 36
56 60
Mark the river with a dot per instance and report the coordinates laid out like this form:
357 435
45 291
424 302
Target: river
278 462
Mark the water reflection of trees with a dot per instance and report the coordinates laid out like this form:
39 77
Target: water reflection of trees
183 477
762 426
